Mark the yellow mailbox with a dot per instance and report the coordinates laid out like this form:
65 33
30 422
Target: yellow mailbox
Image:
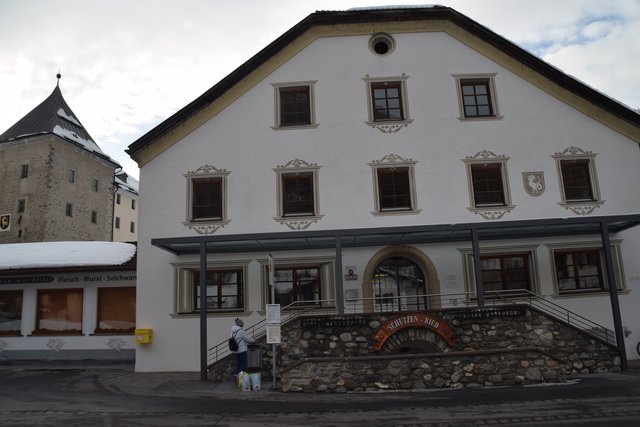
143 336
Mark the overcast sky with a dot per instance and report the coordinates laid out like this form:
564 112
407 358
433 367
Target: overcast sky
127 65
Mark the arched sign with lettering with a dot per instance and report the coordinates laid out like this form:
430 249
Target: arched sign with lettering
413 320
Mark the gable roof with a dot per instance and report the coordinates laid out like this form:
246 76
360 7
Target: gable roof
54 116
391 19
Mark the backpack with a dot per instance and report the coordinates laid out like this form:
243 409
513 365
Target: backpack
233 344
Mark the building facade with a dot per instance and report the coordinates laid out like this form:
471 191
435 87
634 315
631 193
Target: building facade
125 208
385 160
55 182
67 301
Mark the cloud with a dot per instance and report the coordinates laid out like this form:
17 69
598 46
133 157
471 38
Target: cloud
129 65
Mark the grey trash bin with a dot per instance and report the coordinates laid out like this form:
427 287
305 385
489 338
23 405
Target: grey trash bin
254 358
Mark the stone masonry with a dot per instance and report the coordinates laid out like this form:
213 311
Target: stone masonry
493 347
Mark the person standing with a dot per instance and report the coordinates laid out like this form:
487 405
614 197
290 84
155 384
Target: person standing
242 339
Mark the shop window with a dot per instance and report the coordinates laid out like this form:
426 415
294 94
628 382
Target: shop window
116 310
505 272
59 311
225 288
10 313
300 285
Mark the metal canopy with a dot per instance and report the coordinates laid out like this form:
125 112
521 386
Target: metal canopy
382 236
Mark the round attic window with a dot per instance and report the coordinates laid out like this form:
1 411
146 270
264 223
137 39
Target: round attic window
381 44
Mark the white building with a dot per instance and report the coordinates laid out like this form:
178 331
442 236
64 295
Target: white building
125 208
376 153
67 301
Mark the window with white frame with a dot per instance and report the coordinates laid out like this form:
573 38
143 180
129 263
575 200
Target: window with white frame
300 282
206 199
394 185
578 180
488 184
580 268
297 192
387 103
294 105
505 270
477 96
225 287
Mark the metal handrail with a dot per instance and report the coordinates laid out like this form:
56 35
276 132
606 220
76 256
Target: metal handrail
519 296
395 303
259 329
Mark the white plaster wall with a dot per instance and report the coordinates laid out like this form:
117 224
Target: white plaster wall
86 341
240 139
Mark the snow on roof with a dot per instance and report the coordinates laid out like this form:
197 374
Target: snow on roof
15 256
69 134
395 6
130 184
68 117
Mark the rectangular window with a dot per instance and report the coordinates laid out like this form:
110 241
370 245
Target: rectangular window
117 224
206 198
132 227
96 184
24 171
579 270
297 193
224 290
116 310
72 176
94 217
59 311
69 209
133 204
295 106
21 205
299 284
118 199
387 101
476 98
505 272
10 313
576 180
487 183
394 189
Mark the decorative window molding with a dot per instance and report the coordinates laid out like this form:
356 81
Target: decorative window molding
382 44
294 105
298 195
186 290
387 103
488 183
477 98
595 277
505 251
206 199
394 191
578 180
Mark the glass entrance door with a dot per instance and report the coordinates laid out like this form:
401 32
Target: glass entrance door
399 285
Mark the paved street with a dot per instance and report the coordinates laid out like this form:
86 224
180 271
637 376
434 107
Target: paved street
99 396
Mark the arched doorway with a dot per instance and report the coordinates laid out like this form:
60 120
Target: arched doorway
399 285
400 278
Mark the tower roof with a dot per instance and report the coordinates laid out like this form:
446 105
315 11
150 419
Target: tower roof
53 116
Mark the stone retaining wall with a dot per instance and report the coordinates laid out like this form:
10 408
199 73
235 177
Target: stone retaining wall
492 346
